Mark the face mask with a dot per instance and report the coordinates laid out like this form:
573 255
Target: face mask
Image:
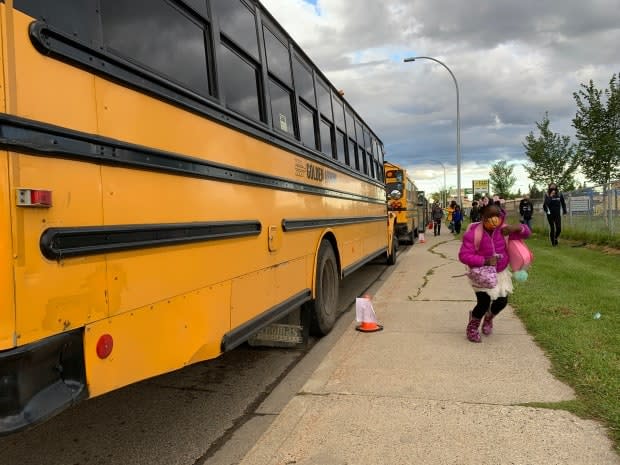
491 223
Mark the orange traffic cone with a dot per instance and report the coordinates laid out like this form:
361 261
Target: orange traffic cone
365 315
421 238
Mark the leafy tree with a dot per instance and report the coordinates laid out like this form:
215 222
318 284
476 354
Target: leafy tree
502 179
535 193
597 125
553 158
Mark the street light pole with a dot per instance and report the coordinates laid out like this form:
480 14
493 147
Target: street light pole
458 123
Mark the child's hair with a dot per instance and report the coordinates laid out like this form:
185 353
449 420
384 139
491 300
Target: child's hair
485 208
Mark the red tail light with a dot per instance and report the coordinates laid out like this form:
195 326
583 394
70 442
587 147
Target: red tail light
34 198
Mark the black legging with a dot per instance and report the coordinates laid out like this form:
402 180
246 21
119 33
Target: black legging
484 300
437 227
555 227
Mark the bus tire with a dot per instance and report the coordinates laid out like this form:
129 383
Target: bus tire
323 308
391 259
411 237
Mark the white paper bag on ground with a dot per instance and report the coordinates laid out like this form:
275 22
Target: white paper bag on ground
364 311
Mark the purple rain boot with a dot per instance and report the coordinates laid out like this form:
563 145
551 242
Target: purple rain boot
487 323
472 329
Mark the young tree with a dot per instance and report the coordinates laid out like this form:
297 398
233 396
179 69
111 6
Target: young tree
553 158
597 125
502 179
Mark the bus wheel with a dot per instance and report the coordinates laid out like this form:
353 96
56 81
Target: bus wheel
391 259
412 237
323 309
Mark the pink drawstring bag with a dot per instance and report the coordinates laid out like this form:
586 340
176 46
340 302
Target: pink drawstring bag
519 256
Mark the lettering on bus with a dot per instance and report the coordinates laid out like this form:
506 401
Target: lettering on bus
318 173
300 168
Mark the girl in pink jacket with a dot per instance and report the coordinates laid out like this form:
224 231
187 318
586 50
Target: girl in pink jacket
490 251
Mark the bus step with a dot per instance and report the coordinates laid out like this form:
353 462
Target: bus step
278 335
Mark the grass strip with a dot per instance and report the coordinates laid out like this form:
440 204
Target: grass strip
570 304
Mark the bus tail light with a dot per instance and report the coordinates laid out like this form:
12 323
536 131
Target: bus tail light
34 198
105 344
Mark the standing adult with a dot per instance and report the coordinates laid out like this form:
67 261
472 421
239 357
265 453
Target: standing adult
437 215
474 213
526 209
457 219
554 205
449 212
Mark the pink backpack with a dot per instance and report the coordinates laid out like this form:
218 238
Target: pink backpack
519 256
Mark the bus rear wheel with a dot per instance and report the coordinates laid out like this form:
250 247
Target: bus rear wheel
323 308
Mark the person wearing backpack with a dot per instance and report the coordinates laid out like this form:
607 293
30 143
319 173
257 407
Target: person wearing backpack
484 245
437 215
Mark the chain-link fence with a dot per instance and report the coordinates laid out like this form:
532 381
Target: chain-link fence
595 210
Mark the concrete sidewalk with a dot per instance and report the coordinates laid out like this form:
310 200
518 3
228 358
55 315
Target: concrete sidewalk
419 393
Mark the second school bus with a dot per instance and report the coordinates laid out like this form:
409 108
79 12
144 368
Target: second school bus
402 201
174 176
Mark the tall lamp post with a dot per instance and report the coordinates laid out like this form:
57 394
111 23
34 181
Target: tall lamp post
458 123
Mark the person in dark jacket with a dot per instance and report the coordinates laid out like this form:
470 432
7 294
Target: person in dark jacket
437 215
554 206
526 209
457 219
474 213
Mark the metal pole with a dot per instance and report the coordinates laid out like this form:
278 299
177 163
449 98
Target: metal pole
458 123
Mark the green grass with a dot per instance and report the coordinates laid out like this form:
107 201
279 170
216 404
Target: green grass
567 286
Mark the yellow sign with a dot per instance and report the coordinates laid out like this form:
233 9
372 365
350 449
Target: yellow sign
480 186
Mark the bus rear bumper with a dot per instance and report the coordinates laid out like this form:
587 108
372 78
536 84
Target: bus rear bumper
39 380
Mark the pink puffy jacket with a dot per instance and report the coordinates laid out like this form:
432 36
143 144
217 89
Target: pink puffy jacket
490 244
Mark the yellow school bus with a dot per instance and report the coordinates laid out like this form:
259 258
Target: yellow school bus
402 201
175 175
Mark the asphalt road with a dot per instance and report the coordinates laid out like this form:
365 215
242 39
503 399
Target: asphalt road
206 414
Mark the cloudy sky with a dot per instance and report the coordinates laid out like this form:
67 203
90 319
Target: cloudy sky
513 60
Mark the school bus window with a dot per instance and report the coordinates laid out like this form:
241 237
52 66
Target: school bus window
307 126
359 131
131 33
325 102
278 61
238 23
338 112
371 163
350 124
364 158
303 82
77 19
240 85
326 139
197 5
353 153
281 109
367 142
340 147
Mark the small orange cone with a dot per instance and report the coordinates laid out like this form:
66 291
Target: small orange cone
365 315
421 238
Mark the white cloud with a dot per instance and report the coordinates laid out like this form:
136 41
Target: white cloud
514 61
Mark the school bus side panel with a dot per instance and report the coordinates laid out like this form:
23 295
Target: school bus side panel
7 309
56 296
53 296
